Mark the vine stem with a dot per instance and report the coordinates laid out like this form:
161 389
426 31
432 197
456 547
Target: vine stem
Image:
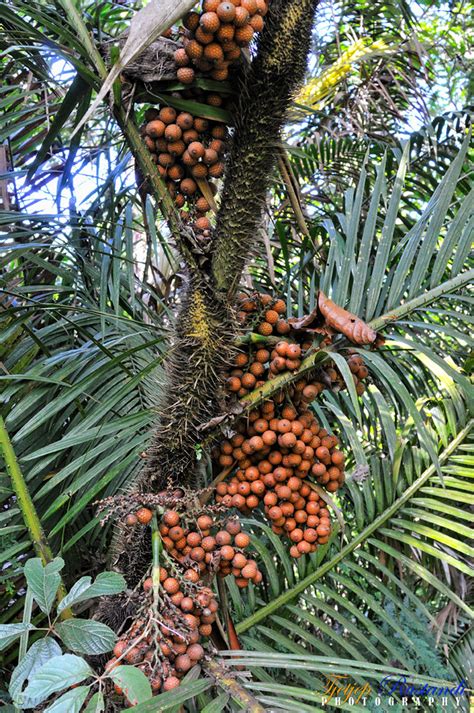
228 682
29 513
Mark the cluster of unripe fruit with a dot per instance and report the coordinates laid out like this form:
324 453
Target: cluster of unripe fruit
186 149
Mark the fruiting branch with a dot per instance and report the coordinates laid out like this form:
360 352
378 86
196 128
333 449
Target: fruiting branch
270 388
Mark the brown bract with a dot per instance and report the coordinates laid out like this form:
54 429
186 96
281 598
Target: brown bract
329 318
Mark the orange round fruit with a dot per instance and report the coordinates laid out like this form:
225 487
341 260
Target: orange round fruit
188 186
194 50
241 17
216 170
199 171
185 121
226 11
185 75
225 34
144 516
202 205
209 22
250 6
191 21
168 115
200 124
196 149
155 129
203 37
214 100
181 58
214 52
265 328
257 23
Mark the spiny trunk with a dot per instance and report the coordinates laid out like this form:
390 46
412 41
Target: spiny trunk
201 348
203 340
204 334
263 98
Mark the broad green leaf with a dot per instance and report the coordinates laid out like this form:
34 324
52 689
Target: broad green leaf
86 636
44 581
58 673
41 651
106 583
70 702
10 632
96 704
133 682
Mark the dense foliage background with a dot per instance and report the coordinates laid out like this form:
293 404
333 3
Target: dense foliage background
373 203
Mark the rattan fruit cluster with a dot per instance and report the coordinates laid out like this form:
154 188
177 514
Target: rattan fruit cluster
165 650
216 36
276 457
186 150
276 451
175 617
204 541
262 314
210 545
279 451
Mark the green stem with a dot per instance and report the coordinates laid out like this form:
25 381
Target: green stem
279 382
287 596
27 609
28 510
426 298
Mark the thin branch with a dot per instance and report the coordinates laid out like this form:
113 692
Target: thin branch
294 200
